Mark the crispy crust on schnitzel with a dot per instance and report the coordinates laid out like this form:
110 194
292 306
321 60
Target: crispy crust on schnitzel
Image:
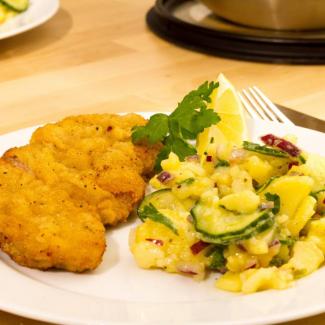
98 188
93 159
58 191
41 228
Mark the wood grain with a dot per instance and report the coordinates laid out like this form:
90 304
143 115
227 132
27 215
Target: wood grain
99 56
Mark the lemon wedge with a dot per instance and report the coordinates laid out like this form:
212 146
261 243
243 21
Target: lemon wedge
218 140
227 104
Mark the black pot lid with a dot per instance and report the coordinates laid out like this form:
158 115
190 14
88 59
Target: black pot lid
190 24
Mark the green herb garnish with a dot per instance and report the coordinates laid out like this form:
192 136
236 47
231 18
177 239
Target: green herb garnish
261 188
288 241
222 163
187 181
315 194
277 261
190 118
218 261
154 131
150 212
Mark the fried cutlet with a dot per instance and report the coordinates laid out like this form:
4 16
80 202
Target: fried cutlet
57 192
92 158
41 228
81 140
110 191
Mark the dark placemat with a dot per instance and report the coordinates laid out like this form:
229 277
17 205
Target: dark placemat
189 24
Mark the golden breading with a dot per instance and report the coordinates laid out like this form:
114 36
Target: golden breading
81 140
41 228
102 129
78 139
93 159
97 189
58 191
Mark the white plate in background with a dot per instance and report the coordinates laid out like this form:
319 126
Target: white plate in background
39 12
118 291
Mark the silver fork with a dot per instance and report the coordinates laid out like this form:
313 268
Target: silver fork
258 106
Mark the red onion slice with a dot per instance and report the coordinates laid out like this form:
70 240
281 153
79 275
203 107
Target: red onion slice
241 247
188 269
157 242
292 163
282 144
164 177
198 247
275 242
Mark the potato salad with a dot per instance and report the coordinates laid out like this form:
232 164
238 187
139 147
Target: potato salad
252 213
10 8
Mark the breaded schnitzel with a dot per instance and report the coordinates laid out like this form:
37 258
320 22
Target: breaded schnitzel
82 172
93 159
41 228
111 192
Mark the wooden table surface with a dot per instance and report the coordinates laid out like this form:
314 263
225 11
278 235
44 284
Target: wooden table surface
99 56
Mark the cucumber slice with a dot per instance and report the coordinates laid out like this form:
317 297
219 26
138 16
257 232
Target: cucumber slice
17 5
315 194
223 227
152 203
264 186
161 199
255 147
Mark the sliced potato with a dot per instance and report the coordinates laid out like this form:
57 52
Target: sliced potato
241 202
303 214
292 190
307 258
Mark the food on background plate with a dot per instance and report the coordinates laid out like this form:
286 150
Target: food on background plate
10 8
58 191
253 212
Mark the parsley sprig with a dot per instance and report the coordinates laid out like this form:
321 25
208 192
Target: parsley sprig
190 118
150 212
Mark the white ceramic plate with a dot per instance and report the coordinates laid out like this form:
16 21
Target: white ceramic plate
118 291
38 13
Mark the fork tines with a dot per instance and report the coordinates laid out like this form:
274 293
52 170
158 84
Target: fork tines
259 106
